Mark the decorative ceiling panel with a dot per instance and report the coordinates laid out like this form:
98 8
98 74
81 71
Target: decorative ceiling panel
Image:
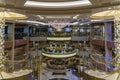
53 0
19 4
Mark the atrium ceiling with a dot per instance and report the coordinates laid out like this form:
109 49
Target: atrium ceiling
71 9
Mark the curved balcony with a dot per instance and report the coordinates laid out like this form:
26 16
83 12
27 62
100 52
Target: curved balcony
16 75
100 75
59 50
59 38
59 55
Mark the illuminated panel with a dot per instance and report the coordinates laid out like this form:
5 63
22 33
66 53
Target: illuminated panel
57 4
59 38
59 56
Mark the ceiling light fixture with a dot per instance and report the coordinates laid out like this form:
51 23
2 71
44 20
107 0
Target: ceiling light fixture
32 22
41 17
57 4
75 17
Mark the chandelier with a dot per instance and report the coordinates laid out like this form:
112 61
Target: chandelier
58 23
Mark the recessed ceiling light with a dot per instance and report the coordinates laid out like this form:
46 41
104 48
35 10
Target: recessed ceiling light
109 8
57 4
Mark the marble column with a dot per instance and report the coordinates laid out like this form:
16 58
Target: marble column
2 32
117 39
108 37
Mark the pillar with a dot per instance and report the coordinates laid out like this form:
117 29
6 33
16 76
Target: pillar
2 31
108 37
28 50
11 39
117 39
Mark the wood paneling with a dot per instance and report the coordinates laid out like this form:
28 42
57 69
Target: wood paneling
102 43
8 44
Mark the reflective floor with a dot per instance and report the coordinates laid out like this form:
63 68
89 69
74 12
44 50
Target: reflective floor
46 74
69 76
58 79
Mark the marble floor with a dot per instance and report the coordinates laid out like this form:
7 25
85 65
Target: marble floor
48 75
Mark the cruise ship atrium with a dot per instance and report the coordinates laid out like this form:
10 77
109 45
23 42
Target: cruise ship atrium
59 39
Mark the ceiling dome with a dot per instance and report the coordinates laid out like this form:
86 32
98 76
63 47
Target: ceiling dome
57 7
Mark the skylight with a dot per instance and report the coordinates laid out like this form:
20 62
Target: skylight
57 4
